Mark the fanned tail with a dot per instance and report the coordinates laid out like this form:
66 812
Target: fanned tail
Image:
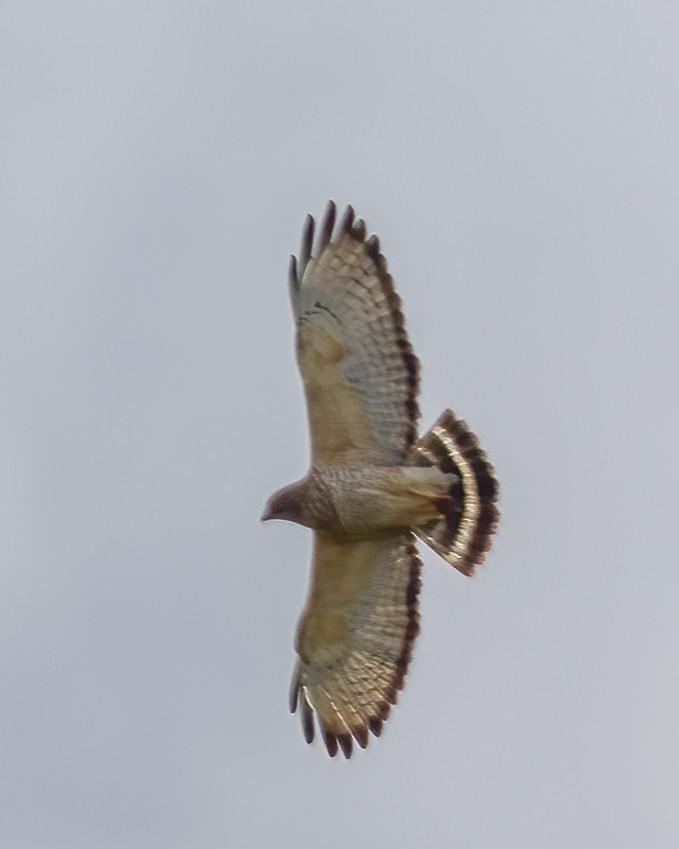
469 516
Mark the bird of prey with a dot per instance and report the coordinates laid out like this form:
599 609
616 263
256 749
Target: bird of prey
373 486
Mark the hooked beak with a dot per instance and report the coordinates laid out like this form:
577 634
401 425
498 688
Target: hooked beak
267 514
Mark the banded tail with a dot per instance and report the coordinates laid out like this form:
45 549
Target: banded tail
462 535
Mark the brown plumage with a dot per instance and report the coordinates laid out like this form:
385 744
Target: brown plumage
371 487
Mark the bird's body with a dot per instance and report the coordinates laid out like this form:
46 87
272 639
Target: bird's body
371 487
355 502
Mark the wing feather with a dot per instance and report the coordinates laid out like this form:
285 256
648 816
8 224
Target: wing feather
355 636
359 371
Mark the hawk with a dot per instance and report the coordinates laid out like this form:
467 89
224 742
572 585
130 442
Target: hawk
372 488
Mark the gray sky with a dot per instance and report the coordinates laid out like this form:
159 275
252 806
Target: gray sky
519 161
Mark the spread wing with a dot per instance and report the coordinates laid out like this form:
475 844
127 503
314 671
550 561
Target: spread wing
355 636
359 372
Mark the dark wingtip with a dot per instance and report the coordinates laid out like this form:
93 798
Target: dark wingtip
293 698
345 743
358 230
330 740
361 735
293 278
307 720
373 248
328 225
376 724
347 219
307 241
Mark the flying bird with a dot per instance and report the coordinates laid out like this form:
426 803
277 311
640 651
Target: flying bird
372 488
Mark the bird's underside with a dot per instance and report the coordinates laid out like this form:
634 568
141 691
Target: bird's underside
372 486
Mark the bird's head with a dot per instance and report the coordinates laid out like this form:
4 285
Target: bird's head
287 503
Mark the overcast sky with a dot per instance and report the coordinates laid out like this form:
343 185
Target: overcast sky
519 162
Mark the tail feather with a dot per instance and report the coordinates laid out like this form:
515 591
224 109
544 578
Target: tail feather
469 516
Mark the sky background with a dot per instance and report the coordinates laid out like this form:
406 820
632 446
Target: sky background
519 162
